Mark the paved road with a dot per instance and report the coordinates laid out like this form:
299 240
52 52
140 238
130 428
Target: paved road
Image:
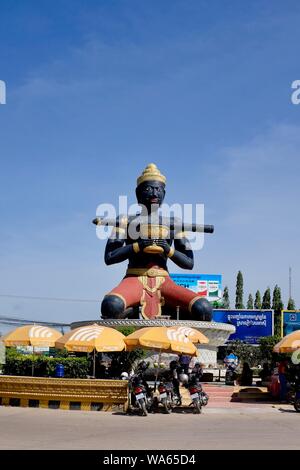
243 428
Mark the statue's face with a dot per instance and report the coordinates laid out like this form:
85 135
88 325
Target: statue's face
150 193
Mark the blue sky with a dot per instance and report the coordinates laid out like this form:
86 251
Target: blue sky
96 90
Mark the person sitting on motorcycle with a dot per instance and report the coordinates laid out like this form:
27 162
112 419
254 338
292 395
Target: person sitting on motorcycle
231 360
140 375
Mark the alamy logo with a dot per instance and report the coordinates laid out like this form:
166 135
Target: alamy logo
2 92
295 97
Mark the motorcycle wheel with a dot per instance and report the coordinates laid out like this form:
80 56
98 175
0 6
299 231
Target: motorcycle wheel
297 405
204 401
167 407
197 407
155 404
290 397
178 401
143 408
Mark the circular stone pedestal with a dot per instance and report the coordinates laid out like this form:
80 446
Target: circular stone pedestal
217 333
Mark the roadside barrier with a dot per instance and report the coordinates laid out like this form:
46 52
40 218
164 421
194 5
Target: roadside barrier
65 394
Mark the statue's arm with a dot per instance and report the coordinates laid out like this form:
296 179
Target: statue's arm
116 252
183 254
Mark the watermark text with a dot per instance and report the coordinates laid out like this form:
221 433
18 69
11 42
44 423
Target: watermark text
2 92
295 97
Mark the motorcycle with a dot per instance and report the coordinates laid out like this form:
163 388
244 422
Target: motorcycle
293 395
167 396
165 390
197 394
297 401
140 398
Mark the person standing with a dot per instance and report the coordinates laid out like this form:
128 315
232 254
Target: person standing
282 371
184 362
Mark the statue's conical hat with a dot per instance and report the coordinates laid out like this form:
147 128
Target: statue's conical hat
151 173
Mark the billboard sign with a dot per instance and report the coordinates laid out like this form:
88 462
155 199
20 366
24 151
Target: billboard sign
208 286
250 325
290 321
29 350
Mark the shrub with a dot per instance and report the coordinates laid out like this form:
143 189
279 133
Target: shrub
245 352
19 364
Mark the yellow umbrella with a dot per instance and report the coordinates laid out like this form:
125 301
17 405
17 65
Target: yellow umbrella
32 335
88 338
162 338
192 334
289 343
92 338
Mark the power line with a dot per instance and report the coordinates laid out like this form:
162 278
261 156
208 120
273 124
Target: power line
52 299
14 320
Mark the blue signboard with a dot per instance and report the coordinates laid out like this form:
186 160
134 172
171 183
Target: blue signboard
290 321
208 286
250 324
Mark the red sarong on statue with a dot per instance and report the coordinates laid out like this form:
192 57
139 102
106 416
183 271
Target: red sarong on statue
152 292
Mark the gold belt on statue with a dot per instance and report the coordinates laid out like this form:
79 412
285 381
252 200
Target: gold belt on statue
151 272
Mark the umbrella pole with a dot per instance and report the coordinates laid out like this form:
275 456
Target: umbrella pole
32 363
156 375
94 364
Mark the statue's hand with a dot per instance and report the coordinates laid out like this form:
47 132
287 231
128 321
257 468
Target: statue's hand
164 245
143 243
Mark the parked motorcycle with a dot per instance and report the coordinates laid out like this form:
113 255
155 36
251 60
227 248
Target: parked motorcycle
167 396
297 397
140 397
197 394
293 394
165 390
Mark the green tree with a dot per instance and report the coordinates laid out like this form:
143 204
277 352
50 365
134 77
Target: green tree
126 330
123 361
257 302
216 304
245 352
291 304
226 301
266 302
239 291
250 302
266 345
277 306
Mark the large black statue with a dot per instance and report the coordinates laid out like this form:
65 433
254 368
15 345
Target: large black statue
147 282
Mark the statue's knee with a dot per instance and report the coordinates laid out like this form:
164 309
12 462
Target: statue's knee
202 310
112 307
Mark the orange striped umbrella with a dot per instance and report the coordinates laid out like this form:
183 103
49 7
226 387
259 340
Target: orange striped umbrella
32 335
192 334
162 338
92 337
289 343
